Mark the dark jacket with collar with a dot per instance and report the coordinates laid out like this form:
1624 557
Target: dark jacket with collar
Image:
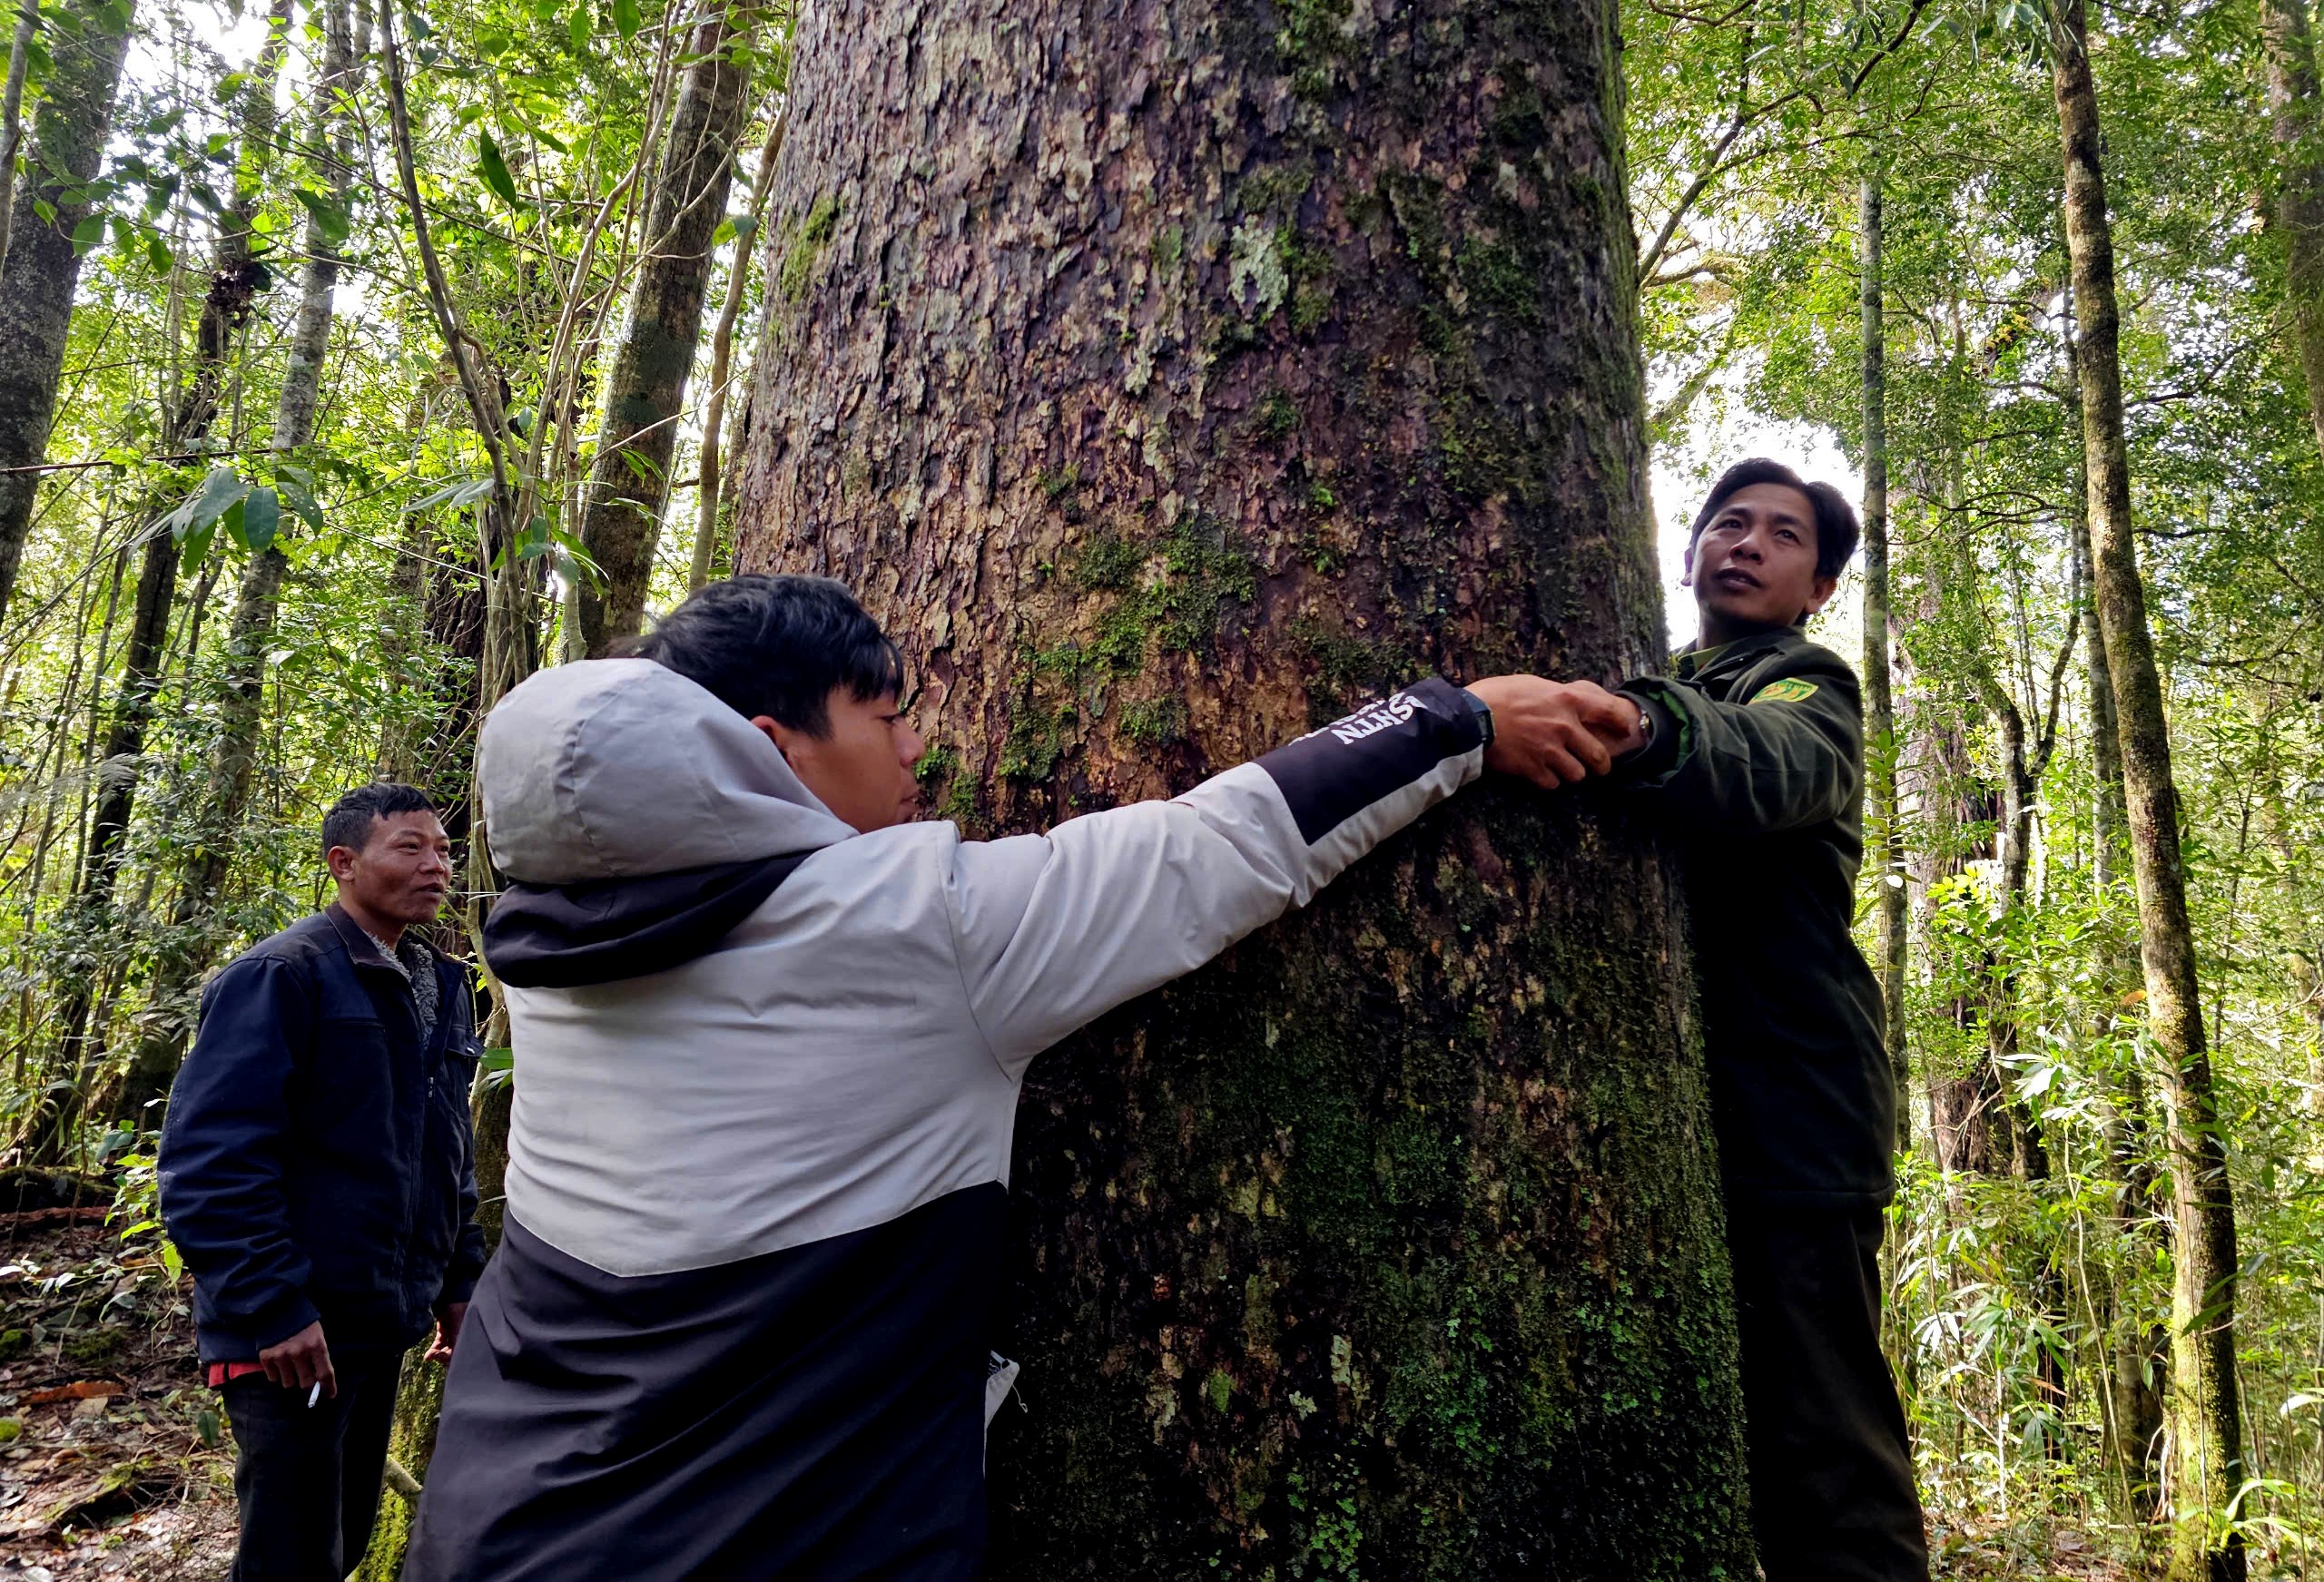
317 1161
1757 760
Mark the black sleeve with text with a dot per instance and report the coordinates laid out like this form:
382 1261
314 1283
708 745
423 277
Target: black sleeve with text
1328 776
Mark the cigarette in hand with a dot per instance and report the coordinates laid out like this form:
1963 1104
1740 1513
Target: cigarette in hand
314 1395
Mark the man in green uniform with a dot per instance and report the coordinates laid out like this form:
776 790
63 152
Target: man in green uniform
1753 750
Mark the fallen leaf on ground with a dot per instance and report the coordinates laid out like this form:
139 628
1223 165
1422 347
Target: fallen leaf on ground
82 1389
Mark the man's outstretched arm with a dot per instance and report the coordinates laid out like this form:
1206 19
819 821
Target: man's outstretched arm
1055 929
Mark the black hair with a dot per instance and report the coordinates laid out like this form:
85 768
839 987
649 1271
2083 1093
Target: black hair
778 646
349 822
1836 531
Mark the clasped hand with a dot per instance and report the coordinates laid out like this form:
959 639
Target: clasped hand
1555 733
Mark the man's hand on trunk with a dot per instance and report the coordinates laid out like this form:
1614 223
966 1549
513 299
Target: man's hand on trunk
1555 733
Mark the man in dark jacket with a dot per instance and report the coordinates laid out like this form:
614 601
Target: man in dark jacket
1753 748
319 1176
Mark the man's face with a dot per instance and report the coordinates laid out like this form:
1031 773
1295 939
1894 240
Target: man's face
861 768
1754 563
402 872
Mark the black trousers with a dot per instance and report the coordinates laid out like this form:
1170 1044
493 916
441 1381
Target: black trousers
308 1478
1832 1494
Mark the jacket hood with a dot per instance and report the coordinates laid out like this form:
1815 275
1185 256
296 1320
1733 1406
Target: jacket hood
620 769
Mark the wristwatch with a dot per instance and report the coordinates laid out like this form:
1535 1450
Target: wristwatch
1645 726
1484 714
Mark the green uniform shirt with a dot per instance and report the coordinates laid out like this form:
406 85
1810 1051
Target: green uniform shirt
1758 761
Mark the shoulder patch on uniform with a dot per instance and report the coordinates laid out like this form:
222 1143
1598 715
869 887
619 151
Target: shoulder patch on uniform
1790 690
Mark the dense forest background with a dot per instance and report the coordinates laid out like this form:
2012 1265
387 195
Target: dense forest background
355 361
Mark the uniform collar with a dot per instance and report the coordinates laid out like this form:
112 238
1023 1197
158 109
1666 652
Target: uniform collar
1697 661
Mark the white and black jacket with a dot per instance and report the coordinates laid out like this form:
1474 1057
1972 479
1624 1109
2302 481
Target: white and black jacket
767 1070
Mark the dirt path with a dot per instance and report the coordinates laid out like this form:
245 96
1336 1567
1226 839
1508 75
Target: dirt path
112 1458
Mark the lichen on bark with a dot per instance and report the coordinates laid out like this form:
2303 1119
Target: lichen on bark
1166 379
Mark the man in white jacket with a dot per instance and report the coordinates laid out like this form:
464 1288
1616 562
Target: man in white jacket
769 1034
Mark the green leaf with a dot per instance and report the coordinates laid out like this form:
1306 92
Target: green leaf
305 508
494 169
158 253
261 516
627 20
219 491
726 231
579 29
330 219
88 233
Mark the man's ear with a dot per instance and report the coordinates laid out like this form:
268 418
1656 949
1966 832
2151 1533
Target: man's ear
1819 593
774 731
1687 564
340 861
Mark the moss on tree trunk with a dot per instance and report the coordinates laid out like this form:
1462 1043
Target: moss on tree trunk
1169 379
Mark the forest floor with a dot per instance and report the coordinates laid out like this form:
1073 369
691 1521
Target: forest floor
114 1463
112 1458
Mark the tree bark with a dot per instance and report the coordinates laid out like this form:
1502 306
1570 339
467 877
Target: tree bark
629 483
1167 385
2207 1467
42 269
1884 836
2293 101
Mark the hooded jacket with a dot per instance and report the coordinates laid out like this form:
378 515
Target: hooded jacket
767 1072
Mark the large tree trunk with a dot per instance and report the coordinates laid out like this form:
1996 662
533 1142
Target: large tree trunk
1166 383
1884 840
41 268
2297 126
2207 1469
621 517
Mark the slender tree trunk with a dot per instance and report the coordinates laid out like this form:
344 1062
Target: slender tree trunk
42 269
2207 1469
1886 835
226 307
2297 126
12 119
191 943
722 355
2137 1359
629 483
1159 413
